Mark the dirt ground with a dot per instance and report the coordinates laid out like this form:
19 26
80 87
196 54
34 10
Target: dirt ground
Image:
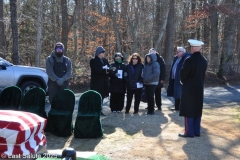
153 137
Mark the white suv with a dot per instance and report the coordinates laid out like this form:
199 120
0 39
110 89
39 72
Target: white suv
25 77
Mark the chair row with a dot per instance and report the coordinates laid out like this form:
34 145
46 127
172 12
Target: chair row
33 101
87 124
59 119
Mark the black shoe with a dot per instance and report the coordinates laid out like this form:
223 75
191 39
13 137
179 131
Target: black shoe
151 113
101 114
197 135
160 108
135 112
126 112
185 136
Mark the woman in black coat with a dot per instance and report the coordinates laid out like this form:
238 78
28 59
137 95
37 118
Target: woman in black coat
134 76
99 73
117 86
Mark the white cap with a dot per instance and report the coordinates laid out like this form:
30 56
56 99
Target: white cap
196 43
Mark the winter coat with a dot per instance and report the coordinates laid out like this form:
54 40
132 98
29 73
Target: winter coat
192 77
99 77
151 71
134 75
175 87
117 85
50 63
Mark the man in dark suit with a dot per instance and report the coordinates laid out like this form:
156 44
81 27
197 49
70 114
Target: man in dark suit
192 77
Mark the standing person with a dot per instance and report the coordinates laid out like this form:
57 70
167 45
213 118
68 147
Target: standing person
151 74
174 85
59 70
99 73
192 77
134 80
117 86
158 97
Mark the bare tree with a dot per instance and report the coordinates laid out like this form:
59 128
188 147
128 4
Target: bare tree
163 22
66 24
14 26
109 5
2 31
39 34
229 34
169 41
214 34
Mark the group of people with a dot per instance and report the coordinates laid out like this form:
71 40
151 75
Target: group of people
185 81
118 78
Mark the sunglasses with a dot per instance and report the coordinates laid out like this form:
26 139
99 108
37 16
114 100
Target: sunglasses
59 49
134 58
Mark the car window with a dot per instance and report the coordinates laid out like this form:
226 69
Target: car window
5 63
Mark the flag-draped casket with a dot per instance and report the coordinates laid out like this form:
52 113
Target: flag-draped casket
21 133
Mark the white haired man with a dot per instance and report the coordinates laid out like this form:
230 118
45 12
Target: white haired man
174 85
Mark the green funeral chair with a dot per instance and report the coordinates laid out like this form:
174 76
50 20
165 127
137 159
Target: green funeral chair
34 102
88 122
59 121
10 98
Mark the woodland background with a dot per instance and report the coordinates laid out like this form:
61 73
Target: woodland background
30 28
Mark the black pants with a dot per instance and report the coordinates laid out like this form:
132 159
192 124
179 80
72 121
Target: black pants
117 101
150 90
53 88
177 104
158 98
137 95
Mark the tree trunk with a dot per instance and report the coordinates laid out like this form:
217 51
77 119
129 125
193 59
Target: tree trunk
66 25
229 34
238 43
214 60
2 32
14 26
110 6
75 36
163 22
169 41
39 34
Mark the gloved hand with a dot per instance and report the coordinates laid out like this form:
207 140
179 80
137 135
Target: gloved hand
60 81
117 74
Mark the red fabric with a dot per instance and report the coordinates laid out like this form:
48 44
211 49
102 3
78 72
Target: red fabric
21 132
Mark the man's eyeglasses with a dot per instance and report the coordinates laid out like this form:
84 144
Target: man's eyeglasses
179 51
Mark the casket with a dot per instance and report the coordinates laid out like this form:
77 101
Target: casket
21 133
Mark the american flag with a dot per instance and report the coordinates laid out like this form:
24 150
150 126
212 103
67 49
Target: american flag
21 133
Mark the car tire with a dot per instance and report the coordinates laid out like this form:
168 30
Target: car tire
28 85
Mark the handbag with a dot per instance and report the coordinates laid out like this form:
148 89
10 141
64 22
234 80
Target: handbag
144 96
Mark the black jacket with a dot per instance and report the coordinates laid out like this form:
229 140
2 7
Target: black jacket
192 77
134 75
117 85
99 78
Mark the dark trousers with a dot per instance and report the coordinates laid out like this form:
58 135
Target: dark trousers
192 126
177 104
137 96
158 98
117 101
150 90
